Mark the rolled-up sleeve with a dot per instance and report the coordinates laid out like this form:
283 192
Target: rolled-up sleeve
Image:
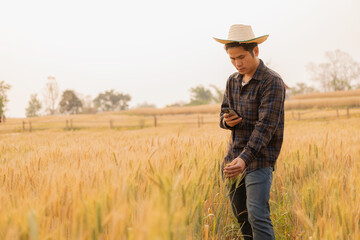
270 111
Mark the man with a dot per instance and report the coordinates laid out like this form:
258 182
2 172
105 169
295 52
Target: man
256 93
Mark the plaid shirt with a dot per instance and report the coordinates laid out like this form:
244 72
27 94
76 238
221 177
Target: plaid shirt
257 139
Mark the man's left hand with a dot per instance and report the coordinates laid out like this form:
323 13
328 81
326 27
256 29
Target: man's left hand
234 168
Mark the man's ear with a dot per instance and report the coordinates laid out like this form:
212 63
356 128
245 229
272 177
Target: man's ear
256 51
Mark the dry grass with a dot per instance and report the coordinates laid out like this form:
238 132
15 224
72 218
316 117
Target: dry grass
165 183
337 99
317 176
322 114
201 109
119 185
349 93
127 122
331 102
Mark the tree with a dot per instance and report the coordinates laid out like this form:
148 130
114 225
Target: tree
112 101
51 95
337 73
3 96
88 105
200 95
34 106
70 103
301 88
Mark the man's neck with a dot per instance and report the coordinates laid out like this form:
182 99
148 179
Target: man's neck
247 77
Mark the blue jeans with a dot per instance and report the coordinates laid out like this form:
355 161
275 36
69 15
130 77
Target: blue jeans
250 204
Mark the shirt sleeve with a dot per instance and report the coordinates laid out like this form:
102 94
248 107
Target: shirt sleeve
270 112
225 104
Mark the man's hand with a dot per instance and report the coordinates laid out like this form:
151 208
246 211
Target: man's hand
232 120
234 168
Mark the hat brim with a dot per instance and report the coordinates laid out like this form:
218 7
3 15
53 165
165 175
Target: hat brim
257 40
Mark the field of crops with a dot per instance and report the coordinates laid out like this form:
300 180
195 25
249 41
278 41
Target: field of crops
336 94
165 183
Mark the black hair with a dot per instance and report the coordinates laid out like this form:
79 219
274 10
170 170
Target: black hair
249 47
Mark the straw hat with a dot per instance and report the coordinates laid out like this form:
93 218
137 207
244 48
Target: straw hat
242 34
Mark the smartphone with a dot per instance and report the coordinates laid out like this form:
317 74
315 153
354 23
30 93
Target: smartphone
230 111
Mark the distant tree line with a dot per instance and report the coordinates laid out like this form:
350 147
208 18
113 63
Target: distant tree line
339 72
71 102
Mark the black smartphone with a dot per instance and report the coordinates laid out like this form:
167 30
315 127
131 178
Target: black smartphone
230 111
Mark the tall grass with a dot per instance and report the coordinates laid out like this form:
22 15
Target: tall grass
165 183
132 185
318 173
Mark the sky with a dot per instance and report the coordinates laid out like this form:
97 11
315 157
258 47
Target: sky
157 50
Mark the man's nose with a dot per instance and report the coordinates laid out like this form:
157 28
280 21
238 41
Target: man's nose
238 63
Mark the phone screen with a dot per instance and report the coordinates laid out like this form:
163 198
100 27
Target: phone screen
230 111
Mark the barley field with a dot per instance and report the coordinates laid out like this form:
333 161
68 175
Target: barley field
165 182
323 102
336 94
338 99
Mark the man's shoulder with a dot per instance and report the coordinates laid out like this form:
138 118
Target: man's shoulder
234 76
271 74
271 77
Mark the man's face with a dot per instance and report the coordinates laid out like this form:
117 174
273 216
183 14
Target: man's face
242 60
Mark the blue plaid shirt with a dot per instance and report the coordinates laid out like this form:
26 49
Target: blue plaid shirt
258 138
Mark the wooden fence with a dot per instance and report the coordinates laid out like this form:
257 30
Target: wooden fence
311 114
28 125
138 122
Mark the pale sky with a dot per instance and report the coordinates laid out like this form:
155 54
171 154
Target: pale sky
157 50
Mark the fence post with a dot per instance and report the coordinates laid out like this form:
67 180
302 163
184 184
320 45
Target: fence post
111 124
199 123
348 112
67 125
30 127
23 126
155 121
299 116
337 113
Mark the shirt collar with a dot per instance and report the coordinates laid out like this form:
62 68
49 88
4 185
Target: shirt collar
260 71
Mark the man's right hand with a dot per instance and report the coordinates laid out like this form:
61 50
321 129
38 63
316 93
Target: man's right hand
232 120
